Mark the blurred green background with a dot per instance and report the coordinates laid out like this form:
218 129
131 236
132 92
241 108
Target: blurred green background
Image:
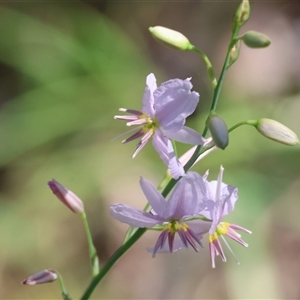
65 69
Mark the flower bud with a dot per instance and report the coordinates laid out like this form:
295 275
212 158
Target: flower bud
171 38
44 276
218 130
276 131
66 196
242 14
254 39
234 53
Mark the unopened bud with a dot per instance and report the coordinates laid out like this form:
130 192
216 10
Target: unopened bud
242 14
276 131
234 53
171 38
44 276
219 131
66 196
254 39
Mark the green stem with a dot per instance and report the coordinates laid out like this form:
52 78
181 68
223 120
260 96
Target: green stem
64 292
209 67
120 251
92 250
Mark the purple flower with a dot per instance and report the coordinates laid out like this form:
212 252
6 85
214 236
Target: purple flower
220 200
164 111
66 196
170 217
44 276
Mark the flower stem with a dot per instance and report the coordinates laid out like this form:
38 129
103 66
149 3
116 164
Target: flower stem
64 292
92 250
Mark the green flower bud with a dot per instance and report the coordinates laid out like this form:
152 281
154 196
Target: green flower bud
254 39
234 53
171 38
276 131
218 130
242 14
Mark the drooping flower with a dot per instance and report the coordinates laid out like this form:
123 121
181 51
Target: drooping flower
164 112
44 276
220 201
170 216
66 196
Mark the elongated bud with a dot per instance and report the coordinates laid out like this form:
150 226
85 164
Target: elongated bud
276 131
254 39
219 131
242 14
44 276
234 53
171 38
66 196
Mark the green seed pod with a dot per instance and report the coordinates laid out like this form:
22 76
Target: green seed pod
242 14
254 39
171 38
276 131
218 130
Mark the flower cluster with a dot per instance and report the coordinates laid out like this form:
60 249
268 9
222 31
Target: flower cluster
196 207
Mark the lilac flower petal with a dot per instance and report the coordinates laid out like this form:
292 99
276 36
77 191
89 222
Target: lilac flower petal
134 217
186 199
160 242
154 197
173 102
148 98
175 167
160 144
185 135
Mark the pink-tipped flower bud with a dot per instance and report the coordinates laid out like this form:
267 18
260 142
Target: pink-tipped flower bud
276 131
171 38
44 276
242 14
66 196
219 131
254 39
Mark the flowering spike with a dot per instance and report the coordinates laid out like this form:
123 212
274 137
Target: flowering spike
44 276
66 196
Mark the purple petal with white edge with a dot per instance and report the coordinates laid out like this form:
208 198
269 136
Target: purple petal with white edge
154 197
173 102
185 135
148 98
186 199
160 144
134 217
175 167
